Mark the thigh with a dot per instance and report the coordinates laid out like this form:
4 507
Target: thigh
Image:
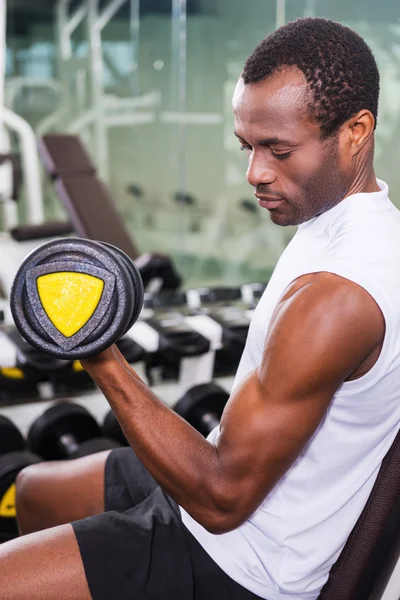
146 553
43 566
54 493
139 554
209 580
127 482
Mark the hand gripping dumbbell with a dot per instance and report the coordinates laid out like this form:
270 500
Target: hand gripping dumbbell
13 458
67 431
73 298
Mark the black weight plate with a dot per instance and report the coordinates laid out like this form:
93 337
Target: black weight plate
13 462
120 260
10 465
138 297
200 400
11 387
130 350
83 256
95 445
111 316
59 420
11 439
112 429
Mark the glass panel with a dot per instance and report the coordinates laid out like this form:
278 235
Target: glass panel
232 240
237 241
379 25
151 96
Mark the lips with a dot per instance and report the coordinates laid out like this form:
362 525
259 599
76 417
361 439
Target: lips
269 201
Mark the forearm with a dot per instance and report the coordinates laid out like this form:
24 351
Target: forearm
178 457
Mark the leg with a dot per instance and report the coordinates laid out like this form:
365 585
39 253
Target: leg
55 493
43 566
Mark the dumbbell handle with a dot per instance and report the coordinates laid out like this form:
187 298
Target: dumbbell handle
68 444
210 420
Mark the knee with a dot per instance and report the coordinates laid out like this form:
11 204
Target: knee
30 493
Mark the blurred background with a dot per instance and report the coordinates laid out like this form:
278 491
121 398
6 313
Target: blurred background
148 84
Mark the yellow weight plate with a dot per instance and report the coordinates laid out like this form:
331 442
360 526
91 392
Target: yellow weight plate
12 372
69 299
7 503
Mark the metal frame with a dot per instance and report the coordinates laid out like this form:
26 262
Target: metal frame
179 59
280 13
30 164
16 84
3 18
96 20
135 33
27 139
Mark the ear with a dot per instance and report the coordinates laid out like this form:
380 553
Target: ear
360 129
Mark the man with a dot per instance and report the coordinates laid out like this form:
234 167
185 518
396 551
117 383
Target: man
263 507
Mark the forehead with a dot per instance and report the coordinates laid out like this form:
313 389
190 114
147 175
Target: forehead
279 102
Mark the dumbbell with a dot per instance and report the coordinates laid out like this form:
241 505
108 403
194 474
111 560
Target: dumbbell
202 406
67 431
73 298
13 458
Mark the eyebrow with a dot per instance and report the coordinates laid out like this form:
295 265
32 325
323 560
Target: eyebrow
270 141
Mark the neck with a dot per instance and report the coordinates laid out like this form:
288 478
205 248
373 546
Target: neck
364 182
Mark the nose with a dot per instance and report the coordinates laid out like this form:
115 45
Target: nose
259 171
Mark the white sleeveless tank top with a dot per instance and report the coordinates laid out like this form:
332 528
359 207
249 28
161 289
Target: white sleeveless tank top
288 546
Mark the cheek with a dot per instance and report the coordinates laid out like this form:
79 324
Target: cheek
302 171
312 179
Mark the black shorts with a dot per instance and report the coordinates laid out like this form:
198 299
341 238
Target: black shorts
139 548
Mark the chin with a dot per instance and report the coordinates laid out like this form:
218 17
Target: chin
285 220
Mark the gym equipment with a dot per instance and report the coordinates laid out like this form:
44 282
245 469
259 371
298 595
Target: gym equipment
166 314
158 272
91 209
23 368
226 308
131 350
13 458
366 567
177 339
73 298
202 406
112 429
251 294
67 431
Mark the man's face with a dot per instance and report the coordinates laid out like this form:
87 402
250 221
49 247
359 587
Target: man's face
296 176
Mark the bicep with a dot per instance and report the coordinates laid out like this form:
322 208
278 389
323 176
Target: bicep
317 337
261 434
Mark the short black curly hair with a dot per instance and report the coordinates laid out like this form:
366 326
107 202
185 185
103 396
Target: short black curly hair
338 65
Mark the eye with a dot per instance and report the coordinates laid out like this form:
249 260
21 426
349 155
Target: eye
245 147
281 156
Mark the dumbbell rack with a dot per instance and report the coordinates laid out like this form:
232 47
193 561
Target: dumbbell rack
193 370
24 414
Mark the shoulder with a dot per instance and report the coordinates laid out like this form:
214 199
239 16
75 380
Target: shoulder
323 324
330 291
